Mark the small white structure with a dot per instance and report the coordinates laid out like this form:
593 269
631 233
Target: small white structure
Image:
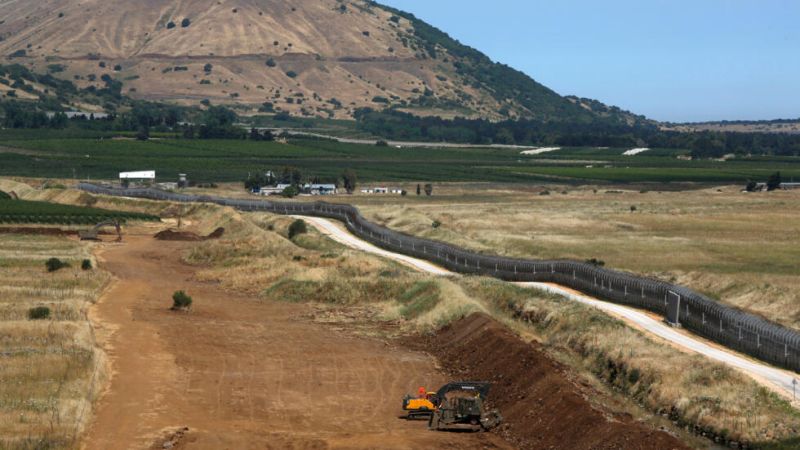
320 189
146 178
148 175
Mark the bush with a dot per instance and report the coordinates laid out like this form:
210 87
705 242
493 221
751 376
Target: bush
170 25
381 144
596 262
290 191
291 74
39 313
297 227
86 264
185 23
54 264
271 63
436 224
180 300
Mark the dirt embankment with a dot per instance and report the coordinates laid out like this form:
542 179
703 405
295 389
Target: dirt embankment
542 408
187 236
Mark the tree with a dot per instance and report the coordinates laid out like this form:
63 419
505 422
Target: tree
208 68
428 189
291 175
349 180
290 191
297 227
774 181
419 189
751 186
54 264
271 63
185 23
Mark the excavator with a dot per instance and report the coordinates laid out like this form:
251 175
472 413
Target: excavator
459 404
92 235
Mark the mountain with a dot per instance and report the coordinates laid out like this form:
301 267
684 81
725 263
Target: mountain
306 57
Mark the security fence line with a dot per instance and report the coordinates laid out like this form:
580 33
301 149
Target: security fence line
679 305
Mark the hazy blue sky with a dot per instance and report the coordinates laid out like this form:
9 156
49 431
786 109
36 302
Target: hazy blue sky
676 60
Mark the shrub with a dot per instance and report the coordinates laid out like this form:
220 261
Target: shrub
185 23
290 192
291 74
596 262
633 208
382 144
180 300
86 264
170 25
117 68
297 227
271 63
208 68
436 224
54 264
39 313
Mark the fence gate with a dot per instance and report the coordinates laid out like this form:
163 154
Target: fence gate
673 309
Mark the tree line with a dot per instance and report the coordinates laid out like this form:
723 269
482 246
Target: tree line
398 125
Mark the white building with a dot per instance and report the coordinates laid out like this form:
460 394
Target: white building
142 177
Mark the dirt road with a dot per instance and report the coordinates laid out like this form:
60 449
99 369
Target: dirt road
242 373
778 380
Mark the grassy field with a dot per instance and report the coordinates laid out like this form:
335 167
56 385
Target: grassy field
733 246
50 369
48 155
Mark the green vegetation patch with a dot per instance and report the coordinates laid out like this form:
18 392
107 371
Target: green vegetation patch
420 298
22 211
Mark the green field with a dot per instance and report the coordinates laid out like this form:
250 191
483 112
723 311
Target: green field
21 211
48 155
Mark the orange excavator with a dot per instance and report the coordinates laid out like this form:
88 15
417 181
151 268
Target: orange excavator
420 406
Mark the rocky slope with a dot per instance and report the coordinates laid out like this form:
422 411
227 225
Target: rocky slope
308 57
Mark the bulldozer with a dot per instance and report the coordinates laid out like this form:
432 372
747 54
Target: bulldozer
462 404
92 234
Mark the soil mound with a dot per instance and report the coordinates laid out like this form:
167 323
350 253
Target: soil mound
542 408
171 235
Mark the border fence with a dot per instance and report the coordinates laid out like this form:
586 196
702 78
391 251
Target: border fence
681 306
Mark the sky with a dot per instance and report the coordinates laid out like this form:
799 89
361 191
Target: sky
671 60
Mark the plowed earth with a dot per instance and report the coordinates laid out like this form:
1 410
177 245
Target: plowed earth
542 406
241 373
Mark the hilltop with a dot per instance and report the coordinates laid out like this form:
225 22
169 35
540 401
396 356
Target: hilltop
323 58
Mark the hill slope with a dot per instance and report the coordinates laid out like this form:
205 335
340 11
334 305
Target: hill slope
308 57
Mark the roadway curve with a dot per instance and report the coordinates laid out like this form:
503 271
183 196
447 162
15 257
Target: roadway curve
777 380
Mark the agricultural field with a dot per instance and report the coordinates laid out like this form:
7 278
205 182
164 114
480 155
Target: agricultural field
51 372
23 211
103 157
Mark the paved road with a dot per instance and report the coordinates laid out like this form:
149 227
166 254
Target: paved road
778 380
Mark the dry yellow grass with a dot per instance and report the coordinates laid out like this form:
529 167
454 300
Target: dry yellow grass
51 370
256 257
738 248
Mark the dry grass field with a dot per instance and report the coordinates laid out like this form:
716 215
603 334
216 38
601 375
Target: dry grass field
653 381
50 370
738 248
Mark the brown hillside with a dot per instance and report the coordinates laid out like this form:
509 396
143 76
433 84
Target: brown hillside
345 50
